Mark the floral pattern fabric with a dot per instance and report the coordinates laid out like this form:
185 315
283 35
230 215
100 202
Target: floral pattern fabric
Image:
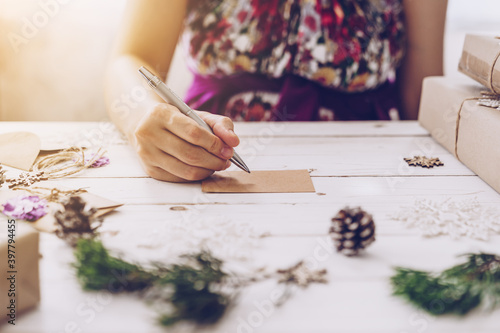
346 45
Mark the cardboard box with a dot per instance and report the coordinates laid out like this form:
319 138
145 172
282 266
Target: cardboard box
480 60
19 283
449 110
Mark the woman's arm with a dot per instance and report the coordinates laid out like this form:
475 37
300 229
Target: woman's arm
170 145
425 21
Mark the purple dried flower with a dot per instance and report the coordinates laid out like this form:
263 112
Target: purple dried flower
100 162
29 208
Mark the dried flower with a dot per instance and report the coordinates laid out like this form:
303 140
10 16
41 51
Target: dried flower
100 162
76 221
29 208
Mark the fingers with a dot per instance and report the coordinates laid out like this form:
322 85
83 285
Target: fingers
223 127
188 130
162 166
184 171
160 174
191 154
173 147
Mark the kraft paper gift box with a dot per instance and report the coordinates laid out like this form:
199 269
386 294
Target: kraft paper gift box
449 110
27 285
480 60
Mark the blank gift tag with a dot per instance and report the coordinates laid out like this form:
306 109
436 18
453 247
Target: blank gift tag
276 181
19 149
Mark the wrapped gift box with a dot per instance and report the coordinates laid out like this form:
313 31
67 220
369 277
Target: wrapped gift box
449 110
24 270
480 60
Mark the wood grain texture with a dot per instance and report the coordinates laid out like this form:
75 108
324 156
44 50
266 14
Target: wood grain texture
357 164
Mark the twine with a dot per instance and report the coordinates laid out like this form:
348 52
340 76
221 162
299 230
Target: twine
457 127
492 70
54 195
62 164
487 96
72 160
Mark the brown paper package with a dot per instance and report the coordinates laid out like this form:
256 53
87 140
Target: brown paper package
26 267
479 126
479 55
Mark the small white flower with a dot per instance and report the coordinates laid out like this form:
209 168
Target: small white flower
209 19
242 43
319 53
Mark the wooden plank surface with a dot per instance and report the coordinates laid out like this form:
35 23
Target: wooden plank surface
364 128
324 156
347 190
357 164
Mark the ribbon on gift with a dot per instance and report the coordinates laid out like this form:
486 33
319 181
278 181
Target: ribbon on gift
479 60
492 70
488 99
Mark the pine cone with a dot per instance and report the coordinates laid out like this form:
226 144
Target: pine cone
75 222
352 229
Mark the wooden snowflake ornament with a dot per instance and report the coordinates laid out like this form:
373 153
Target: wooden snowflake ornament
27 179
424 162
2 176
490 100
301 275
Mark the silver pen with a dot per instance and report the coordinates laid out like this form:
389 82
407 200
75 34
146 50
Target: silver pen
170 97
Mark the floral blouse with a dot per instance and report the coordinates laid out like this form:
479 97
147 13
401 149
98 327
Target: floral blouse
349 45
342 45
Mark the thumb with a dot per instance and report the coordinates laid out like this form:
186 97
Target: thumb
222 127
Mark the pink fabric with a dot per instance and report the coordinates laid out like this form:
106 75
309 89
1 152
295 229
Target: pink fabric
299 99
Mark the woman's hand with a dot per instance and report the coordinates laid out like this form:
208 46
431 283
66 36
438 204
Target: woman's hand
172 147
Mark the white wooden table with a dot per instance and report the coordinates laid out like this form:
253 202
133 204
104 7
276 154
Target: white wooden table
357 163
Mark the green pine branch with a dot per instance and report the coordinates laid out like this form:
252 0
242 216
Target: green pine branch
96 269
457 290
191 291
196 295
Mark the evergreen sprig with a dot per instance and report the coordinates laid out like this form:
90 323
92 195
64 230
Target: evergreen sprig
195 295
97 269
456 290
191 290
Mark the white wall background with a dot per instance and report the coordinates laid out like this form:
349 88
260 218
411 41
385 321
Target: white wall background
468 16
57 73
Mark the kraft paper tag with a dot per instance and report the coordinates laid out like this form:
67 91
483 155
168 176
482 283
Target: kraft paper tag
48 223
19 149
276 181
